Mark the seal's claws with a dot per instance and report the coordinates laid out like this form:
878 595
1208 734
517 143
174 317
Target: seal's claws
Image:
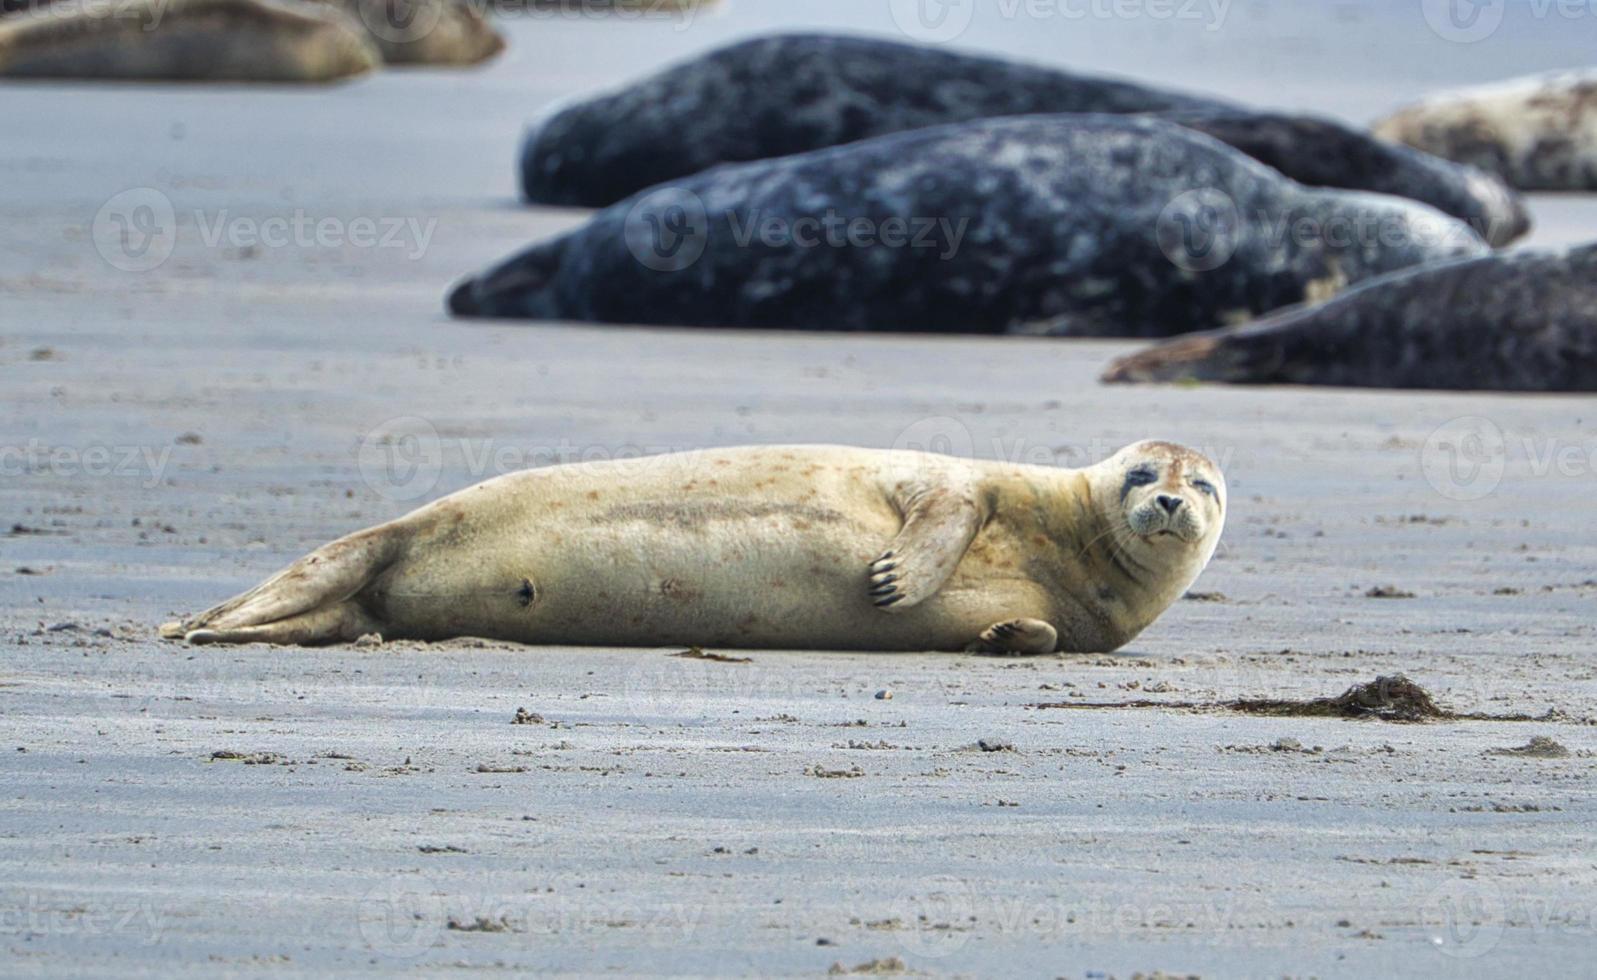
884 603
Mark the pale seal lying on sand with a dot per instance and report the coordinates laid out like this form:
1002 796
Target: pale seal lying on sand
796 547
1525 321
426 32
1537 133
191 40
1082 225
790 94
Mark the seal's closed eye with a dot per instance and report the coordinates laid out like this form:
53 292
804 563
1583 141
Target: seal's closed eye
1138 476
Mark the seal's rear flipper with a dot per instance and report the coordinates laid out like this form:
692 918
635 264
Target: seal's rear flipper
307 602
1237 355
338 623
521 286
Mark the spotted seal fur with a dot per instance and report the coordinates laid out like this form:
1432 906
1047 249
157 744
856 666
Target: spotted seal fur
799 547
1081 225
1522 321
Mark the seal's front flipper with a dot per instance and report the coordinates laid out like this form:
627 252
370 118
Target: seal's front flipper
940 522
306 600
1017 638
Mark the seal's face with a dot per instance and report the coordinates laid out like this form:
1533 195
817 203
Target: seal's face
1170 496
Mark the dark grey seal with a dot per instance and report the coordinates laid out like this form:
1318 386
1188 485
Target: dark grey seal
1083 225
794 93
1525 321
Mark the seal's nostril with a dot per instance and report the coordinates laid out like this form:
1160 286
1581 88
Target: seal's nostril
1169 503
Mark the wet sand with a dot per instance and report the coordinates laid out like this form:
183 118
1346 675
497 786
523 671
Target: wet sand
176 434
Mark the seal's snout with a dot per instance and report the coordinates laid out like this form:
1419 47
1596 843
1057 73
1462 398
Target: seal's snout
1169 504
463 299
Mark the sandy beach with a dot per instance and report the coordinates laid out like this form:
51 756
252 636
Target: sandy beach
175 430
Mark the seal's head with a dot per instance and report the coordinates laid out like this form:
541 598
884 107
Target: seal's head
1171 499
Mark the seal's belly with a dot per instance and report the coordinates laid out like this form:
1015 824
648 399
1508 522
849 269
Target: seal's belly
641 568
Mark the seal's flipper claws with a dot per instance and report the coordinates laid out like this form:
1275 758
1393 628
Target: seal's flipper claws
1017 638
940 521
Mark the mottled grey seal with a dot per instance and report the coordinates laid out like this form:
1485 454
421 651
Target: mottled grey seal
1524 321
1321 152
1537 133
798 547
775 96
787 94
187 40
1082 225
